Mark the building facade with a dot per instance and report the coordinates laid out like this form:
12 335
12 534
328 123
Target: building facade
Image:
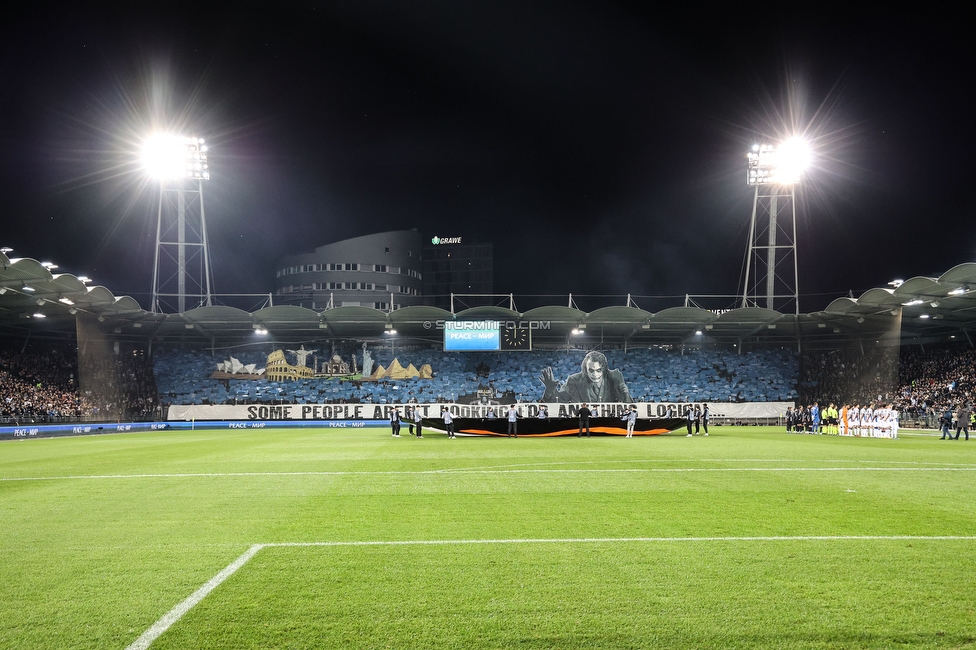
382 271
455 265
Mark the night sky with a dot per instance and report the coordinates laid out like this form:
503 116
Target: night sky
600 146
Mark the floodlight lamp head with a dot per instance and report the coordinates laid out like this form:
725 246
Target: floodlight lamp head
783 165
170 157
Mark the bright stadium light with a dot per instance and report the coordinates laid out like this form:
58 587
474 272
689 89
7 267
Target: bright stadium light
782 165
171 157
181 269
771 264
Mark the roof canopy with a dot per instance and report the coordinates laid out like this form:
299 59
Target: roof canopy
925 308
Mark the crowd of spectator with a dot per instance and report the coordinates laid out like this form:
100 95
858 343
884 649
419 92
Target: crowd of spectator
935 378
124 384
849 376
40 386
43 384
651 375
920 382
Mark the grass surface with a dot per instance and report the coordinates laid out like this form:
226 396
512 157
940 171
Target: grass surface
101 536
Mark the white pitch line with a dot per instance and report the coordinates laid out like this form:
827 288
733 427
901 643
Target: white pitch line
175 614
603 540
475 470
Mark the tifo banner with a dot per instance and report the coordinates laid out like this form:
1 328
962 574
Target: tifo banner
718 410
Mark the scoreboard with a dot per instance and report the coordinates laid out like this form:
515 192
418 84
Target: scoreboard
484 336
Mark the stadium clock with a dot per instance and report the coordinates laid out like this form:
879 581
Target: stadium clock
516 338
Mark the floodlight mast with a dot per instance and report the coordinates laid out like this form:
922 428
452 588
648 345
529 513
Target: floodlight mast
774 172
181 269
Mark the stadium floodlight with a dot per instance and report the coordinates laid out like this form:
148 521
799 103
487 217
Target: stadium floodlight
782 165
774 170
171 157
181 269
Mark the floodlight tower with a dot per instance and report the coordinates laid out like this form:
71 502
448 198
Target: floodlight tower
771 258
181 270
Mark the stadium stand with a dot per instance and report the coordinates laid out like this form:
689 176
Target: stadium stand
44 384
652 375
41 384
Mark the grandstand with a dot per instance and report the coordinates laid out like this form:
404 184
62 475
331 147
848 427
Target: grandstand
652 376
679 354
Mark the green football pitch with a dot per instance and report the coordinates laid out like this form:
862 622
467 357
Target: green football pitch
321 538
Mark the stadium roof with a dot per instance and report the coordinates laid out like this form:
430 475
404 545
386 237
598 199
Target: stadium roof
33 300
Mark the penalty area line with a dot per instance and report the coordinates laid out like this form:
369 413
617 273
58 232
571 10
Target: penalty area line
175 614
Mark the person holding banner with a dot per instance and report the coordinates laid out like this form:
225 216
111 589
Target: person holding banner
395 421
584 420
448 421
512 421
631 418
418 421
